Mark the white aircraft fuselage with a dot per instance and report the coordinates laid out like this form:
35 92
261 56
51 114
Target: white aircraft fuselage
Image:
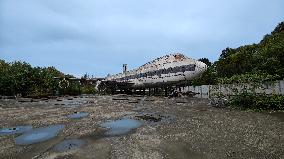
166 70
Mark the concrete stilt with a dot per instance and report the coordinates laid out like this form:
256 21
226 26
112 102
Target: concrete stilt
166 91
155 91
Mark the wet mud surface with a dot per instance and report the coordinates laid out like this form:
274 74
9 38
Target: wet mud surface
69 144
135 127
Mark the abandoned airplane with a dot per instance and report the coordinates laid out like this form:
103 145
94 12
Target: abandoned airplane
162 72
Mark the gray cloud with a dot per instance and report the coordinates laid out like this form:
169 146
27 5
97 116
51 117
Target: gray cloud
99 36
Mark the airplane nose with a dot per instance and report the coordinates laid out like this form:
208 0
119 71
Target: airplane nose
202 66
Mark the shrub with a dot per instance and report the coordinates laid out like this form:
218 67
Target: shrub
258 101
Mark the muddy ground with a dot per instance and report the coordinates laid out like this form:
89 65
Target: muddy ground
171 128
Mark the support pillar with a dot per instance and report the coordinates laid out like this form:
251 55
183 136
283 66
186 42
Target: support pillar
166 91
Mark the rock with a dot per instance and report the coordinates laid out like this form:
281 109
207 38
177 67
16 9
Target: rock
44 98
120 99
8 97
22 100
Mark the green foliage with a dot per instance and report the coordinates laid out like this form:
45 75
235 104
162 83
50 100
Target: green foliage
21 78
209 77
249 78
250 63
14 77
235 61
74 88
247 100
88 89
43 82
279 28
248 67
266 57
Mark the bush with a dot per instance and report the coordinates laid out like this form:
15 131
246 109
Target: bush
88 89
21 78
258 101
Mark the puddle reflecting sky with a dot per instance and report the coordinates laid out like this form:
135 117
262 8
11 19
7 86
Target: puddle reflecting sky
38 135
78 115
15 130
121 127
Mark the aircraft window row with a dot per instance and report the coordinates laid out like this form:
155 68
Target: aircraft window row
162 71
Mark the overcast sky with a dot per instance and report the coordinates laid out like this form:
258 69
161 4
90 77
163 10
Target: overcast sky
98 36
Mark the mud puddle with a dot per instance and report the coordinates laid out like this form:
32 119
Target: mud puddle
120 127
69 144
15 130
78 115
155 117
38 135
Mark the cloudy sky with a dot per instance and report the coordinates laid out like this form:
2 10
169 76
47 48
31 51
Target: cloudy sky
98 36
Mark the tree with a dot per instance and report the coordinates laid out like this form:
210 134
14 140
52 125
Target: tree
206 61
279 28
21 78
266 56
